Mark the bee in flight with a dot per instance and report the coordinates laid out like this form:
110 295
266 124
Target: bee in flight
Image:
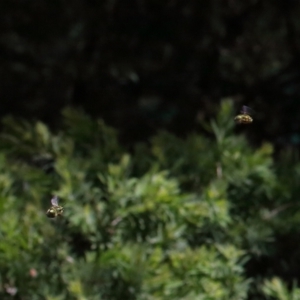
55 210
244 117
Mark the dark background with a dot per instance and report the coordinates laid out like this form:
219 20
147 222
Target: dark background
145 65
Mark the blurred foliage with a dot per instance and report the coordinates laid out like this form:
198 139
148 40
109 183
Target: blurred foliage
144 65
194 218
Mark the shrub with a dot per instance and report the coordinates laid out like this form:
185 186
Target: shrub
199 218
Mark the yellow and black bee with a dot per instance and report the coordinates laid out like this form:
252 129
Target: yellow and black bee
244 117
55 210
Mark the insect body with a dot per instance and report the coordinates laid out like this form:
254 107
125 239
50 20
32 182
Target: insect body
55 210
244 117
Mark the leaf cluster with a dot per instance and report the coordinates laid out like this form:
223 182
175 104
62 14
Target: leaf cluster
195 218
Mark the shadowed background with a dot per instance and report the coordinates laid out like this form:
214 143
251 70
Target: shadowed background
145 65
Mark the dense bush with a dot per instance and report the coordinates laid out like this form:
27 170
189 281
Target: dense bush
201 218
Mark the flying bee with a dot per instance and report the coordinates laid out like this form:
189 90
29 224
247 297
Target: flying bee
55 210
244 117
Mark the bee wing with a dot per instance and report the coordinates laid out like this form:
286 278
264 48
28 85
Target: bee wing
54 201
247 110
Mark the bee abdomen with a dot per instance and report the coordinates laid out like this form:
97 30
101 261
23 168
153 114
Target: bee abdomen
243 119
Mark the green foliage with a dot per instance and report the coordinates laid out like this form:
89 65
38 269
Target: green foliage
175 219
275 288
